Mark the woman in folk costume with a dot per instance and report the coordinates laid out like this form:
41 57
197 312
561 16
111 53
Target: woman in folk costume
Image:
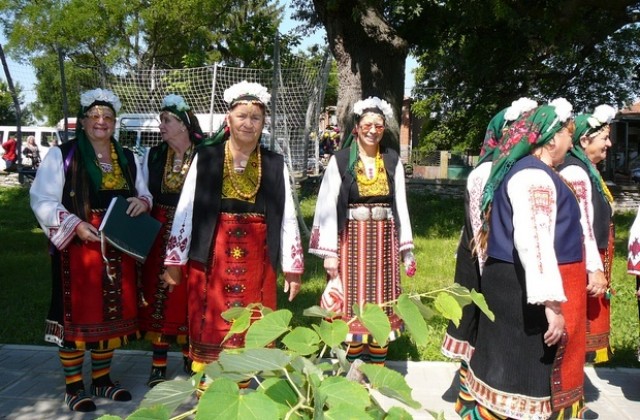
94 300
633 261
590 144
235 222
459 340
528 363
163 316
361 225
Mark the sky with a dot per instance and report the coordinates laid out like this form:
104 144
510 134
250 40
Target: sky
25 75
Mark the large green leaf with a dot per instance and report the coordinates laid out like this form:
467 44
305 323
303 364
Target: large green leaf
481 303
337 390
266 330
280 391
410 314
307 367
449 307
332 333
342 411
426 312
460 293
375 320
214 370
171 394
235 312
389 383
240 324
222 400
398 413
302 340
254 360
317 312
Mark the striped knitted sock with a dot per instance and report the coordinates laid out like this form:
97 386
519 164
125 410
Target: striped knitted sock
159 358
465 402
72 361
354 351
481 413
101 366
378 354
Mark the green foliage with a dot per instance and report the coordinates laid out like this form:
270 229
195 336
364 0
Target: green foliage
297 382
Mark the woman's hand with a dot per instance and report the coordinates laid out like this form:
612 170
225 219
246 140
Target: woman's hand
172 276
597 285
331 267
292 284
136 207
87 232
553 312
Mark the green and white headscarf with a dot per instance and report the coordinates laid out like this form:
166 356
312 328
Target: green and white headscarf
529 131
588 125
500 122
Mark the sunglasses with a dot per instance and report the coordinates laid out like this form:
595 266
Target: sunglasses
367 127
105 118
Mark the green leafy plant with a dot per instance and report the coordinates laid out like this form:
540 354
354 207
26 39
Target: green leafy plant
309 377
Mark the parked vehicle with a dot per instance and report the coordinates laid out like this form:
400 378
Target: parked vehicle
45 136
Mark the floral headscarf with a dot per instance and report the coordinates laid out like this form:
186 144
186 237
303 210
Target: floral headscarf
176 105
587 125
529 131
500 122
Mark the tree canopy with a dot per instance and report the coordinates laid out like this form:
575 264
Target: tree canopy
102 37
477 56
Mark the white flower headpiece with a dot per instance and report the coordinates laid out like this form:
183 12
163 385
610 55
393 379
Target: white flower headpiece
175 101
245 88
90 97
603 114
563 109
519 107
373 102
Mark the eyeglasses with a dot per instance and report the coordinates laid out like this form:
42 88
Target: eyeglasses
96 117
368 126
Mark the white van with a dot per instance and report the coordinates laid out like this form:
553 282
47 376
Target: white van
46 137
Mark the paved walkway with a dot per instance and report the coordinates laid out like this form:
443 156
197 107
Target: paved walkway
32 385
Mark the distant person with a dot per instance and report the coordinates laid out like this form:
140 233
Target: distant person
9 155
361 218
163 318
32 153
94 297
235 224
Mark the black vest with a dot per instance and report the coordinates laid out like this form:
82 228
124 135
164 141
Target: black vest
208 197
602 212
568 231
79 196
155 165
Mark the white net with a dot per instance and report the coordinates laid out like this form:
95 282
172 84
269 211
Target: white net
297 95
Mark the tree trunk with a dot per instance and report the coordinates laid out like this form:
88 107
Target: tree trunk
370 57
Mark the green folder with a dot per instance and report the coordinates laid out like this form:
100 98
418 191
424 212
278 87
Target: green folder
131 235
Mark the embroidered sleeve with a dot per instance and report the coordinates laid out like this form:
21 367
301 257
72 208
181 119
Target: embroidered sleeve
533 197
179 241
291 245
475 187
324 232
579 180
142 179
45 195
406 235
633 259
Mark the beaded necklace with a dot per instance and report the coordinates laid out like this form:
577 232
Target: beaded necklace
241 182
112 178
173 174
361 172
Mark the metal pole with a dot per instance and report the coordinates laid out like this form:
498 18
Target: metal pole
274 90
63 86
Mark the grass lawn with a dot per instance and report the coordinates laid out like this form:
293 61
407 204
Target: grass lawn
436 223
